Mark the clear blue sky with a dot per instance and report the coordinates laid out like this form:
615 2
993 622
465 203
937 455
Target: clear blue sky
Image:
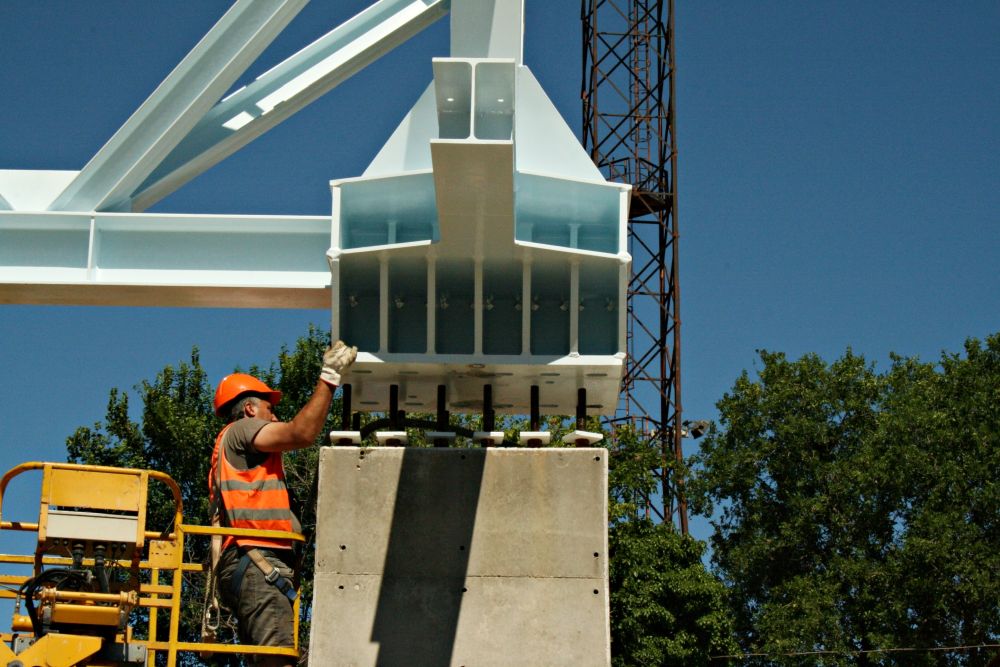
838 181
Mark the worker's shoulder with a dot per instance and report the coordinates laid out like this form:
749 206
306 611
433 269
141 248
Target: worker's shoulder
242 431
238 442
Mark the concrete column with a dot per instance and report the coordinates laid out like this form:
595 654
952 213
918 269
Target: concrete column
461 557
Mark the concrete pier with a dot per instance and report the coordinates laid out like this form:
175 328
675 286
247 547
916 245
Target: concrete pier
461 557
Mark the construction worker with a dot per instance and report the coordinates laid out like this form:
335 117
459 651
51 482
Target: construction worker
254 575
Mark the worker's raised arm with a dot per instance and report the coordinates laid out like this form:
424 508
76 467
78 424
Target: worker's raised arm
305 426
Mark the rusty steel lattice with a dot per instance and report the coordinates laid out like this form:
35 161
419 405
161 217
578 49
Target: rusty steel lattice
628 129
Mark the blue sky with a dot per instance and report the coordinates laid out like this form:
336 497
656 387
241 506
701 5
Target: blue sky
838 182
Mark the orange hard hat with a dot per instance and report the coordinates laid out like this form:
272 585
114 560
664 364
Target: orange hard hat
233 386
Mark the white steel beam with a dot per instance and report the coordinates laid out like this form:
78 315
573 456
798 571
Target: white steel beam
165 118
287 88
164 260
488 29
32 189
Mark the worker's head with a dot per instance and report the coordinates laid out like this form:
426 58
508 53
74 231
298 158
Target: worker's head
239 394
252 405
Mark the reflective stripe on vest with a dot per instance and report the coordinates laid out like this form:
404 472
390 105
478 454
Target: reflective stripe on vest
259 485
255 498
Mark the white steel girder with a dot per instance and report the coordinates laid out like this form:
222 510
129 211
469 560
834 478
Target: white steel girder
286 89
58 245
482 247
188 92
130 259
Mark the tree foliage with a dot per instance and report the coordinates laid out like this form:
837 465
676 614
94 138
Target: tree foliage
858 511
666 607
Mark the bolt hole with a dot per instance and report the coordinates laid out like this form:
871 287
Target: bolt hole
595 591
343 547
340 587
464 589
597 458
461 547
596 555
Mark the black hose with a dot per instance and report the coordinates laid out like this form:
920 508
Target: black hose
31 586
102 574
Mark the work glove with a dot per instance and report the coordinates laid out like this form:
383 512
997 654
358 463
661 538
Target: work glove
337 358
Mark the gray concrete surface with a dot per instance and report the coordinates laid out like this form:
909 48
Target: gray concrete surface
461 557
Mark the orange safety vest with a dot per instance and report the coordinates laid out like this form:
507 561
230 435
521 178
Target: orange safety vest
255 498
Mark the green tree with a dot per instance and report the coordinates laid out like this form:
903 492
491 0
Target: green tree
858 511
666 607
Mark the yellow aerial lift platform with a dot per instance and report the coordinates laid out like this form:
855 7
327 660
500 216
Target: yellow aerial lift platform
100 579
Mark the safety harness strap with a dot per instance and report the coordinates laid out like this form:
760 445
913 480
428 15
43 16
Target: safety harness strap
271 574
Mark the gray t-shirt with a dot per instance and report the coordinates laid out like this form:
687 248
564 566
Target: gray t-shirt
237 443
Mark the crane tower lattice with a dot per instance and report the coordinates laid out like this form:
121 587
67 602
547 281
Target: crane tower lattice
628 128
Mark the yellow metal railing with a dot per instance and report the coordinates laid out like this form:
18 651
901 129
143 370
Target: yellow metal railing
155 554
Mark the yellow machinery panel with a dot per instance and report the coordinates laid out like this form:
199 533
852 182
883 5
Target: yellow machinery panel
97 490
54 651
93 506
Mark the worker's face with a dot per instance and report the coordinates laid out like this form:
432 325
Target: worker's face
262 410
